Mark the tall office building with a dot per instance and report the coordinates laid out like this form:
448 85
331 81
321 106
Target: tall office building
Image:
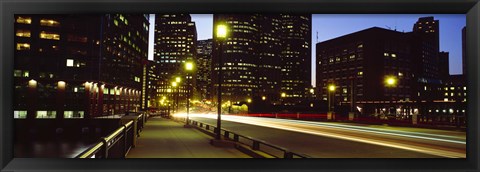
175 42
239 57
66 68
204 68
296 56
358 64
264 56
425 41
443 65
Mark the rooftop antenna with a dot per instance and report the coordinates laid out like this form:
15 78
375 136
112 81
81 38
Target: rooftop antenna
317 36
388 27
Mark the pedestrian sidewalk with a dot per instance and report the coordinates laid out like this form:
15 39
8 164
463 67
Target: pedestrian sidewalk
164 138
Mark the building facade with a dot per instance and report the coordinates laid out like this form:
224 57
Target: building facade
358 64
379 71
264 56
204 68
175 42
67 69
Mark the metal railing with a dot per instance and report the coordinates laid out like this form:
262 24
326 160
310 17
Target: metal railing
115 145
255 144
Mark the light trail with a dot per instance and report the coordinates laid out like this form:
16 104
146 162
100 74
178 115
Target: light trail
433 144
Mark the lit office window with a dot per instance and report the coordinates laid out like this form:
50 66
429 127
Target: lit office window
46 114
48 22
20 114
73 114
23 46
69 62
49 35
24 20
23 33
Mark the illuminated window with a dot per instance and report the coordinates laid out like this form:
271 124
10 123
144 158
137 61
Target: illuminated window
360 73
49 35
20 114
24 20
73 114
23 46
25 73
47 22
70 62
23 33
17 73
46 114
394 55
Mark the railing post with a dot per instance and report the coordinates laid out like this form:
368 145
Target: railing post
207 127
125 140
227 134
256 145
201 125
287 154
105 147
235 137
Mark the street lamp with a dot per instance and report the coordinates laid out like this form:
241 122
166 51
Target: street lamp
189 66
331 90
221 31
175 97
390 82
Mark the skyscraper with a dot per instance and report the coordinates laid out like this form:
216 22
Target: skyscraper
175 42
65 68
204 68
296 56
265 56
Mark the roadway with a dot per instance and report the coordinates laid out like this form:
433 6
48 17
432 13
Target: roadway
346 140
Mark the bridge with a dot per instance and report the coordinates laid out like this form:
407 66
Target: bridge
260 137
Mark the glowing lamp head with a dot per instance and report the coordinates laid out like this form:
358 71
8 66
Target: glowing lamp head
284 95
331 87
178 79
189 66
249 100
221 31
390 81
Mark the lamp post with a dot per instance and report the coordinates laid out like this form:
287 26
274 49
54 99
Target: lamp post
221 34
390 82
175 96
331 90
189 68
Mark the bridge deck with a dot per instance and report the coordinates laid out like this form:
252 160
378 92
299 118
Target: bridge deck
163 138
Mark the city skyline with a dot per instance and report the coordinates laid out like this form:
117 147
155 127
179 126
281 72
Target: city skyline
330 26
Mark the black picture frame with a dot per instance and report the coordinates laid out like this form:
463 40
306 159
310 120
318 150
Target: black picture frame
10 7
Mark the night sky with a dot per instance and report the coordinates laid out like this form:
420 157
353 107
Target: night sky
330 26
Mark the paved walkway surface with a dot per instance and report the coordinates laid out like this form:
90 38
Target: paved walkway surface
164 138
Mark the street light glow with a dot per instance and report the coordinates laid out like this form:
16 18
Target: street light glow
264 98
174 84
390 81
178 79
189 66
284 94
221 31
331 87
249 100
